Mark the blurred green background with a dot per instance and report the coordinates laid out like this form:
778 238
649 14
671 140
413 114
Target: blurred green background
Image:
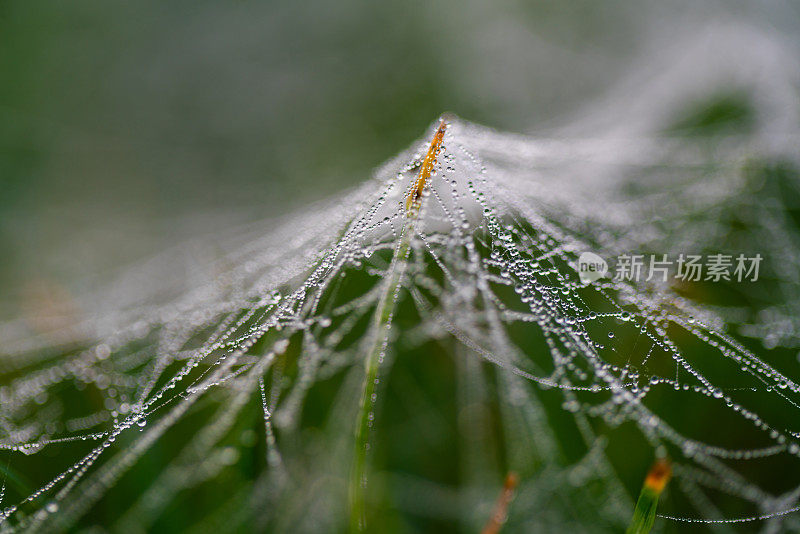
129 126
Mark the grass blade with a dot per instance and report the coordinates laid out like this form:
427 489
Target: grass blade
382 326
645 512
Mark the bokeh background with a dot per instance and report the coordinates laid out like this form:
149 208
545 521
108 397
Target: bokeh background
126 127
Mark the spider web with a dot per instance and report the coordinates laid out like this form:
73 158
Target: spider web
223 365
